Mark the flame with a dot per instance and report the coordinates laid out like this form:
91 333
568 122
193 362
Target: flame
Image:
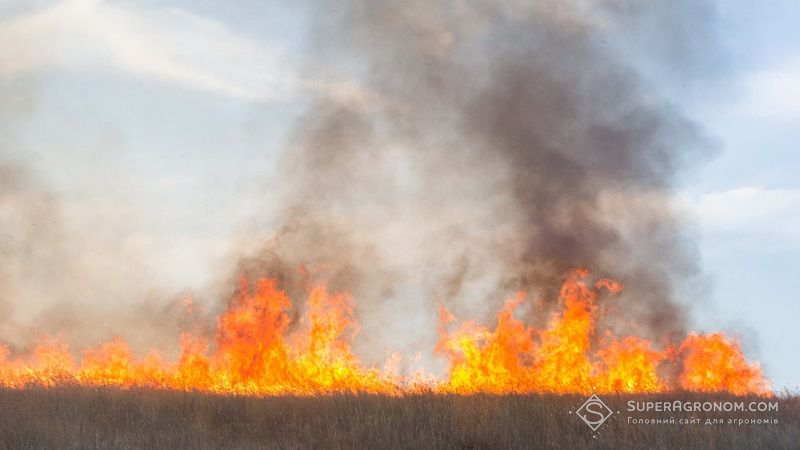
713 363
260 349
509 360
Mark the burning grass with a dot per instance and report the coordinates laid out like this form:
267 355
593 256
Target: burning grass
255 351
86 418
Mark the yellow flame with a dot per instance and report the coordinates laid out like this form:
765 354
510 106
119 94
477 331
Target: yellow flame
257 350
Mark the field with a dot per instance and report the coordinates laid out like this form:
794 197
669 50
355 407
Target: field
86 418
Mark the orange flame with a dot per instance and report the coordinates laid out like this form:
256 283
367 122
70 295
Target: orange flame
259 349
508 360
716 364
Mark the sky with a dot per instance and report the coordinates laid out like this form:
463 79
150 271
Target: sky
157 124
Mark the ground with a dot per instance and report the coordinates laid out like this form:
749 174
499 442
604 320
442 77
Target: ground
86 418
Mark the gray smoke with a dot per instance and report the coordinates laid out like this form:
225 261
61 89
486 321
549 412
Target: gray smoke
478 148
494 146
62 277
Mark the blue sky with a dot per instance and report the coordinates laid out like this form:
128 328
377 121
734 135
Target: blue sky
156 124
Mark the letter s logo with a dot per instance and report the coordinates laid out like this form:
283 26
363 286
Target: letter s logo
597 414
594 412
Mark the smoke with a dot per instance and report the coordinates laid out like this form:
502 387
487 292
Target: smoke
67 268
497 146
480 148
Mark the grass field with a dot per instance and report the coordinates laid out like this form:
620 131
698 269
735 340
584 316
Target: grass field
85 418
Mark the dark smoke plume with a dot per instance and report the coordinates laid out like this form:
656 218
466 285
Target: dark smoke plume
495 146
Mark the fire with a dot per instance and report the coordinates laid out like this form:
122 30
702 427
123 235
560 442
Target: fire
260 349
509 360
713 363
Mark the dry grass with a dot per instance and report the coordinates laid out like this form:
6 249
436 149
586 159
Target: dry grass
111 418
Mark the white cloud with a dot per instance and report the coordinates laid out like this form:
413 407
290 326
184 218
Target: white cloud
773 92
749 209
166 44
